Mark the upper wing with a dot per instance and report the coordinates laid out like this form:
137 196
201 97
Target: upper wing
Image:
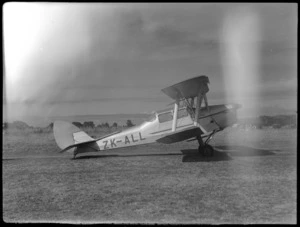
178 136
188 88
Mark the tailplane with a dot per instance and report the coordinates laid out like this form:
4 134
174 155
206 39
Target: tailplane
68 136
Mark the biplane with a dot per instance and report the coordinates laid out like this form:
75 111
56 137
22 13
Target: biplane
187 120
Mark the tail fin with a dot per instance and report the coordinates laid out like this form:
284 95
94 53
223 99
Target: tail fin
68 135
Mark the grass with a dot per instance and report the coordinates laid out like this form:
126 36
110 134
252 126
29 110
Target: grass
251 180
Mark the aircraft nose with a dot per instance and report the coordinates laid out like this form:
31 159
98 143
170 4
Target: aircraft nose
233 106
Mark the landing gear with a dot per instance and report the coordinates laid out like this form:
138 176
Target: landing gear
204 148
75 152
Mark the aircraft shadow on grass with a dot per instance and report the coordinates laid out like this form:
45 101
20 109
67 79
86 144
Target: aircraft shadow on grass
224 153
236 150
193 155
127 156
221 153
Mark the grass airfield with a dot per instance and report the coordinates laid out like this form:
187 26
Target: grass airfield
250 180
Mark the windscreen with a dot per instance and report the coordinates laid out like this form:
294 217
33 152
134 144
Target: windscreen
151 118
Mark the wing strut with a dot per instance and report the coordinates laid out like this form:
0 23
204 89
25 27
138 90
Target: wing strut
174 123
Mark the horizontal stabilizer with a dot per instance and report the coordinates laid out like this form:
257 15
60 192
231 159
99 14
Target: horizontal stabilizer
89 145
68 136
180 135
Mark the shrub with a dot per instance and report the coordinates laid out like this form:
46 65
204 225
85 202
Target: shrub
129 123
105 125
50 125
89 124
77 124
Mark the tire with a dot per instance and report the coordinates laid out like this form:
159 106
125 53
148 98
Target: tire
208 151
75 152
200 150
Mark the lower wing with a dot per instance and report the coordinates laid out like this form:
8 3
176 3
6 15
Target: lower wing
178 136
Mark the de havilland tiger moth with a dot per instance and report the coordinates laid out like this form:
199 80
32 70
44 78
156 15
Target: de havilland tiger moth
187 120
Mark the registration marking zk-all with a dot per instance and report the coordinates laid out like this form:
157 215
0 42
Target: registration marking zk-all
128 139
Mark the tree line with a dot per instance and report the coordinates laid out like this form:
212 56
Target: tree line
86 124
91 124
278 121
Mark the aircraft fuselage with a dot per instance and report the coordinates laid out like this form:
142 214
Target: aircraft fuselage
217 118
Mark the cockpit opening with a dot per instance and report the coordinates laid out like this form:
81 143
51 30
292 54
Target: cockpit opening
168 116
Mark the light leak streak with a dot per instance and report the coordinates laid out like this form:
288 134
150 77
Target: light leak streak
241 37
22 25
241 70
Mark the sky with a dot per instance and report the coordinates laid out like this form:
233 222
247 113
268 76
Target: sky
63 59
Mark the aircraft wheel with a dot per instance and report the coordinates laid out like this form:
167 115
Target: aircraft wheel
200 150
75 152
208 150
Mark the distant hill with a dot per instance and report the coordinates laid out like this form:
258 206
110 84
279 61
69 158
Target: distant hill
276 121
15 125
